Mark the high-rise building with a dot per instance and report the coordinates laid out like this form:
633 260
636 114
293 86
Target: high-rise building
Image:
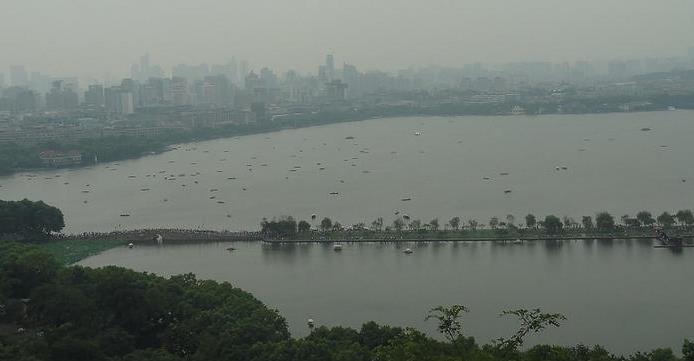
62 96
330 66
178 90
144 70
18 76
350 75
131 86
252 81
144 64
244 69
18 100
617 69
335 90
95 95
322 73
127 104
152 93
2 80
118 100
269 78
214 90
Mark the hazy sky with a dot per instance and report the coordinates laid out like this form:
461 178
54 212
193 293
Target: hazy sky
92 37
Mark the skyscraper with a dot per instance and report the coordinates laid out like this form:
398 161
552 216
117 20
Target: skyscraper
330 66
18 76
95 95
144 64
244 69
350 75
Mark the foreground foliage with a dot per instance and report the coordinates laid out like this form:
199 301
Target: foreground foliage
29 220
52 312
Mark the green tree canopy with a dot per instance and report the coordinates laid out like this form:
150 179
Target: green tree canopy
434 224
454 223
665 219
285 226
530 221
30 219
303 226
552 224
587 222
685 217
326 224
645 218
604 221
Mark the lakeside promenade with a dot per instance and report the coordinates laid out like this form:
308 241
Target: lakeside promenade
189 235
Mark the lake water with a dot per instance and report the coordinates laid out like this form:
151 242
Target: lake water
611 165
626 295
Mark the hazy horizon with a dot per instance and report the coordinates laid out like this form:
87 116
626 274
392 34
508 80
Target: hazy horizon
90 39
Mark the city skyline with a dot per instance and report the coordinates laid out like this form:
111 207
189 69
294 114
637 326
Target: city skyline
77 38
143 68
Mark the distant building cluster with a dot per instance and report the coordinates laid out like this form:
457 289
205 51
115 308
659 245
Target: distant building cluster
35 107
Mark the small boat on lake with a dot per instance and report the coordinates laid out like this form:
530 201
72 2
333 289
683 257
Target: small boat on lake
408 251
337 247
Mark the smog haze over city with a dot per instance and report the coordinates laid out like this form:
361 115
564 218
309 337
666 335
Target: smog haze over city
88 39
346 180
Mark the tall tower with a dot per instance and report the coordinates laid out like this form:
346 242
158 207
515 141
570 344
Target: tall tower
330 66
144 66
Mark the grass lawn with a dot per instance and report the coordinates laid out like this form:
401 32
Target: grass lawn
70 251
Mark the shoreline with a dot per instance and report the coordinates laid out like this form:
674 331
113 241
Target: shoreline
70 249
168 146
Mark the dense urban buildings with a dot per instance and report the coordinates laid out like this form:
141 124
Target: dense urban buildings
41 111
